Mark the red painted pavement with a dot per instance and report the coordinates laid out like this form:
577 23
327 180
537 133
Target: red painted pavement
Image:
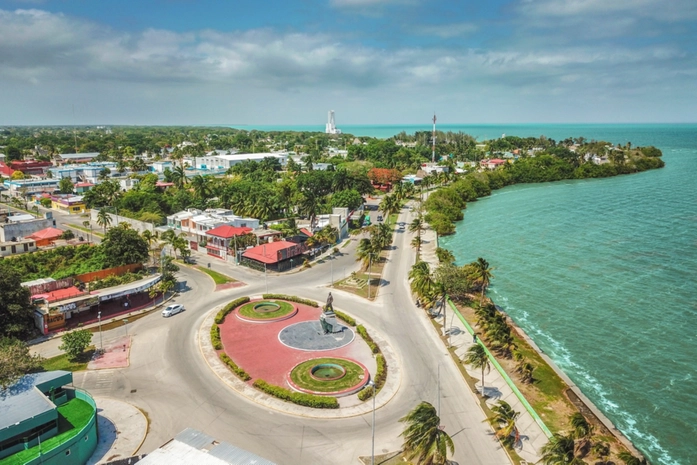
255 347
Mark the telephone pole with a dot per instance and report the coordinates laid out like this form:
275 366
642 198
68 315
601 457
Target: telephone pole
433 153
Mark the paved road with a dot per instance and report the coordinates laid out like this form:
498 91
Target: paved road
168 379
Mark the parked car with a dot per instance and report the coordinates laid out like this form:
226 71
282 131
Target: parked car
172 310
380 218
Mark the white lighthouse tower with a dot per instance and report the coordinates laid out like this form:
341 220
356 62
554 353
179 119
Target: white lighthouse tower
331 128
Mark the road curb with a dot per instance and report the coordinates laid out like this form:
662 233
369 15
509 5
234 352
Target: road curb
386 394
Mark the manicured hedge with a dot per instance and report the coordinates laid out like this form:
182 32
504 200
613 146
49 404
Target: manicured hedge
368 340
291 298
220 317
243 375
215 337
380 378
300 398
345 317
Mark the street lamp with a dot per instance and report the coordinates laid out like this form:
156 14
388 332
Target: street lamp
125 325
331 262
372 447
266 279
99 318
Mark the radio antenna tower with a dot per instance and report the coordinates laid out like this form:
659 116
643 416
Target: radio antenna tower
433 153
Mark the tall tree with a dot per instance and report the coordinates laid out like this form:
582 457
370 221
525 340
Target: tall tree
424 440
15 361
422 282
559 450
15 307
504 421
483 276
124 246
103 219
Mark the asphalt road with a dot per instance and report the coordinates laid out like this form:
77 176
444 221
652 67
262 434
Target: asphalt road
168 379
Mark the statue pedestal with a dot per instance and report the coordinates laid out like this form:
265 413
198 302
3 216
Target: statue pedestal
329 323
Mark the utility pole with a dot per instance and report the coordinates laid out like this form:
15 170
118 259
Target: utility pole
438 402
433 153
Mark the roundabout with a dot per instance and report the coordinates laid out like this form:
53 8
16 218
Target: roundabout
298 355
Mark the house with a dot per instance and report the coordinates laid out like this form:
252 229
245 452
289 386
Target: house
88 172
68 203
28 167
412 179
221 240
82 187
17 247
39 424
196 223
493 163
274 256
338 218
434 168
46 236
161 166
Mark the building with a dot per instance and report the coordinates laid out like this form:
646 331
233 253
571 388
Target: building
65 158
161 166
434 168
45 420
14 227
88 172
227 161
221 240
338 218
194 447
68 203
46 236
493 163
24 187
274 256
412 179
17 247
196 223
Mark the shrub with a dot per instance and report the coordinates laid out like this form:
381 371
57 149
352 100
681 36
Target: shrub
220 317
366 393
299 398
345 317
368 340
379 380
215 337
243 375
291 298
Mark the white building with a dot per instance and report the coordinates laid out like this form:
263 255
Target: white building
86 172
17 187
195 223
161 166
226 161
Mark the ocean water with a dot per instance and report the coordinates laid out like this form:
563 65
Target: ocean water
602 274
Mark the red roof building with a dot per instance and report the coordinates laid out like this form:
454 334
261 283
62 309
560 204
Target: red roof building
46 236
273 253
221 240
60 294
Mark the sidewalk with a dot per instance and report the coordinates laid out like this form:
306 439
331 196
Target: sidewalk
495 387
122 430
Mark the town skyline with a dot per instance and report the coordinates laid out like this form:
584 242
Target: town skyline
162 62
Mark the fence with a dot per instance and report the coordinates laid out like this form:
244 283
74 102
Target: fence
101 274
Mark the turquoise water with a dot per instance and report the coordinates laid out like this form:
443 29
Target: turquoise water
602 274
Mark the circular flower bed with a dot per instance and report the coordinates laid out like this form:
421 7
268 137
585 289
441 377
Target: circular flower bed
266 310
328 375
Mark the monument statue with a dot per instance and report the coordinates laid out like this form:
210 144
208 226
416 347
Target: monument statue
330 300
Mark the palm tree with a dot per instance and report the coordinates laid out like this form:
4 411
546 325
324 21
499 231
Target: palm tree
559 451
424 440
201 186
416 224
149 238
582 431
484 276
366 252
87 224
103 219
416 243
629 459
601 450
504 421
421 280
478 358
390 204
179 176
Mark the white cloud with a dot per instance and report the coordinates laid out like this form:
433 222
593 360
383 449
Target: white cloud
446 31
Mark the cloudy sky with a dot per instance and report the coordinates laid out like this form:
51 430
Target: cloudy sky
279 62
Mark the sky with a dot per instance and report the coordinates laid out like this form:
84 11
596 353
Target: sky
287 62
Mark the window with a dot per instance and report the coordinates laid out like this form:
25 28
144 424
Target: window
67 452
3 248
86 438
26 247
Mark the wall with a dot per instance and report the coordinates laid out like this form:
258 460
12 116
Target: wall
23 229
139 226
101 274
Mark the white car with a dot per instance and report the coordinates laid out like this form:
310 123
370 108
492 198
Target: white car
172 310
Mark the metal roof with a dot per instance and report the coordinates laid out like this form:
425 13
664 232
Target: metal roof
22 400
193 446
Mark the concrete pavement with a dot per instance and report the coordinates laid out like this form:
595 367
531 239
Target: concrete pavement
122 430
495 387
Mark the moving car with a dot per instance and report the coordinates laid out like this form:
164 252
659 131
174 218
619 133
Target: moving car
172 310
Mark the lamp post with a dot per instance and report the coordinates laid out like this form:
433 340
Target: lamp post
266 279
99 318
291 264
125 325
331 262
372 447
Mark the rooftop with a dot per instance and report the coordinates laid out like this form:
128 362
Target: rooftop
227 231
22 401
251 156
48 233
268 253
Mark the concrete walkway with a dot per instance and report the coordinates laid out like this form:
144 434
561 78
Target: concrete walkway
122 430
495 387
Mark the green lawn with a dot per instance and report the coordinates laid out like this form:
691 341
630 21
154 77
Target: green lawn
248 311
302 377
218 278
72 417
62 362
